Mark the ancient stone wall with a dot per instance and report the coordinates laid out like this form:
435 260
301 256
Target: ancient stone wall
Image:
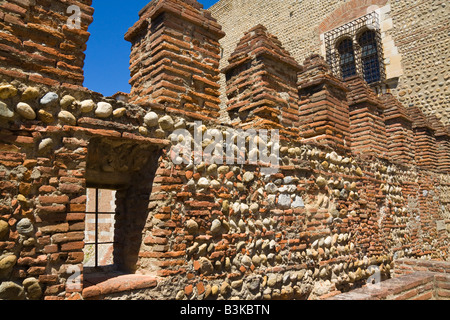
322 220
414 36
47 163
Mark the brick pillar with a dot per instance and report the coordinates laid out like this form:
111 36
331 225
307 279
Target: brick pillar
424 140
324 111
443 142
442 136
399 132
366 119
261 83
175 58
38 43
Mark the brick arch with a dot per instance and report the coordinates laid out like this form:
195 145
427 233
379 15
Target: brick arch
347 12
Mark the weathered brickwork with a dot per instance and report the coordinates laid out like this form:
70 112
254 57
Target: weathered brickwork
399 133
262 84
331 215
413 280
37 44
417 286
414 33
182 60
367 126
324 111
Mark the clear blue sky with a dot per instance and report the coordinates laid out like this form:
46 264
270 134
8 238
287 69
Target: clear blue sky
108 54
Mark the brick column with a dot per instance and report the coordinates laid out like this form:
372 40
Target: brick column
175 58
399 132
261 83
38 43
442 136
366 119
424 140
324 110
444 152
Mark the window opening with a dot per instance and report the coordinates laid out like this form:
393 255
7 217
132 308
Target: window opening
347 58
369 57
100 221
357 55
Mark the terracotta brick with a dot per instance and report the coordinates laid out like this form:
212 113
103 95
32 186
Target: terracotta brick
72 246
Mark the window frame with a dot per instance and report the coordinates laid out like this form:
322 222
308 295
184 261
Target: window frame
354 30
351 50
96 242
373 58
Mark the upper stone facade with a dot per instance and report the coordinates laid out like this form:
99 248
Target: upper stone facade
413 33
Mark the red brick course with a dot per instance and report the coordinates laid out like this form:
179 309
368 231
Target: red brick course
40 41
347 12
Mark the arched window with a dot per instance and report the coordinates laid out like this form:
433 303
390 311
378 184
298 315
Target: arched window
347 58
355 48
369 56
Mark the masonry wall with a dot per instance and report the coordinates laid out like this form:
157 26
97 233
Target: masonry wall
38 44
414 34
47 164
417 286
412 280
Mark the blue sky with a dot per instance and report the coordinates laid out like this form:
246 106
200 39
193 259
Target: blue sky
107 55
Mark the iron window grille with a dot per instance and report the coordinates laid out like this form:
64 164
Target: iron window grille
369 57
356 48
97 241
347 61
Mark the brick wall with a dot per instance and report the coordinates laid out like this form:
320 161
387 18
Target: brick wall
37 43
180 70
413 280
408 266
416 286
262 84
324 111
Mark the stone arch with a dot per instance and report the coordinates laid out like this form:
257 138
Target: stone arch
347 12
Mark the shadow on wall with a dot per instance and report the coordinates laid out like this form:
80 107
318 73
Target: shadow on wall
128 168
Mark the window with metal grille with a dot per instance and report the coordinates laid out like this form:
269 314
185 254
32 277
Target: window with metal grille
369 56
99 228
356 49
347 58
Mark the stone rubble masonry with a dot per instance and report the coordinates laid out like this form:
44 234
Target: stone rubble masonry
212 231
